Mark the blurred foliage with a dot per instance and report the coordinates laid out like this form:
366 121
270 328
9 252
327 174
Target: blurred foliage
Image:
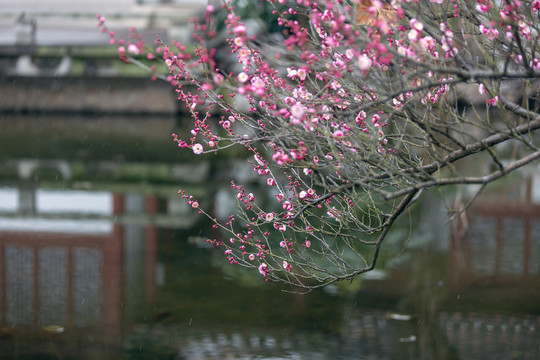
262 11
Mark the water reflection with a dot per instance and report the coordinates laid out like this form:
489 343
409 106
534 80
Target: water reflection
95 270
100 259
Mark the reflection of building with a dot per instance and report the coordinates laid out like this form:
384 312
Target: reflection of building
497 241
73 274
72 280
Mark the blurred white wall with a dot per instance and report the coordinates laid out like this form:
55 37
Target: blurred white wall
72 22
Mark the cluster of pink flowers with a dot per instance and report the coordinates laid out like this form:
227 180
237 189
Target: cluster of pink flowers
318 112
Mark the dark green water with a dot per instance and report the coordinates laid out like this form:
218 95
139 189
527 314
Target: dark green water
101 261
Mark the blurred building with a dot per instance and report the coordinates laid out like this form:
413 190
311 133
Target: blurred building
497 239
64 22
64 27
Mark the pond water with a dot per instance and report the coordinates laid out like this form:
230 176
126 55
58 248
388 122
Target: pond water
99 259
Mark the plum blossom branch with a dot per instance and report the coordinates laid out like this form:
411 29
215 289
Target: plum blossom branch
349 120
470 180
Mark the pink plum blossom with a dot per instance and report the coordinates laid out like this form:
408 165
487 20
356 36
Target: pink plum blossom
287 266
328 109
263 269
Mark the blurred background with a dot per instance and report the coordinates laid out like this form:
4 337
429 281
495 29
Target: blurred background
100 259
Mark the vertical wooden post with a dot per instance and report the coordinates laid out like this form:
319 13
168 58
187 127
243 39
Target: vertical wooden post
69 270
118 204
527 247
3 307
498 246
113 264
150 259
150 253
36 284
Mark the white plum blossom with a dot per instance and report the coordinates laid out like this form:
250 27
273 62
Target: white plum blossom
302 74
292 73
298 110
134 49
243 77
414 35
481 89
364 62
197 149
258 159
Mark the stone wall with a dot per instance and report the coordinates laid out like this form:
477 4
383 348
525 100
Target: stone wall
85 94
